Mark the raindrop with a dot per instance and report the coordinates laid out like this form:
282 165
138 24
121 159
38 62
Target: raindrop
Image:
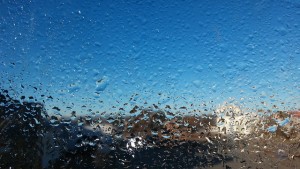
102 83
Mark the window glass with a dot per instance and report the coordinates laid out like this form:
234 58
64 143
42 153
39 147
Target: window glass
144 84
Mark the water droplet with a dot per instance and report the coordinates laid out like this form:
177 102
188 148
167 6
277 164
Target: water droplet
102 83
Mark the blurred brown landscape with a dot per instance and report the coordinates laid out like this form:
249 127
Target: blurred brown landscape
226 138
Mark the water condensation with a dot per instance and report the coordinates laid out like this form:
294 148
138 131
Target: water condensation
152 84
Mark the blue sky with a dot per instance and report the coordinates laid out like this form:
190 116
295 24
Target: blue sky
102 54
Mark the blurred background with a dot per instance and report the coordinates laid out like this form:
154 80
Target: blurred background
149 84
109 56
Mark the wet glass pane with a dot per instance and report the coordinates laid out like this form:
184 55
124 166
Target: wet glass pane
150 84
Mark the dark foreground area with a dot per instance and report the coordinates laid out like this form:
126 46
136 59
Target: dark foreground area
30 138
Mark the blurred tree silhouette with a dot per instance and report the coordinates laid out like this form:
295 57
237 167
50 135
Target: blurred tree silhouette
21 129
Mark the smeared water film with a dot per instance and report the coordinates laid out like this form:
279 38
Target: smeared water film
150 84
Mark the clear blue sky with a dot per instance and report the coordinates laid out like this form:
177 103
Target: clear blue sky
99 54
